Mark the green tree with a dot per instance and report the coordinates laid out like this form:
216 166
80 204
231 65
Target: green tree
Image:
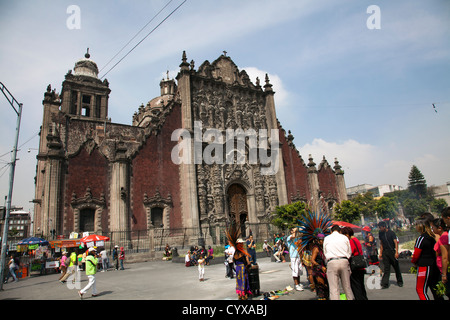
386 207
346 211
417 183
287 216
366 204
414 207
437 205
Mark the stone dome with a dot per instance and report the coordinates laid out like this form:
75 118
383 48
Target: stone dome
86 67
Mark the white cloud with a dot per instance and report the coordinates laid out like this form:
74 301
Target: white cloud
281 94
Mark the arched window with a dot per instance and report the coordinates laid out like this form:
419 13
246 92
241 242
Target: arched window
87 220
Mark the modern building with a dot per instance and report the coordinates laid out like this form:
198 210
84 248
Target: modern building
442 192
377 191
19 226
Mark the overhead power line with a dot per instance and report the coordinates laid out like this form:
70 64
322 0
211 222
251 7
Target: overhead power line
134 36
167 17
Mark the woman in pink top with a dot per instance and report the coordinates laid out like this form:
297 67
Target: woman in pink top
64 264
441 247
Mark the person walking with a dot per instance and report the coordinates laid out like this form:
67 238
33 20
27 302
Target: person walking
71 265
91 270
357 276
64 262
337 251
424 257
121 257
12 267
389 255
296 263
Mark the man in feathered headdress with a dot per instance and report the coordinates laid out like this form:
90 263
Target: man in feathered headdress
241 260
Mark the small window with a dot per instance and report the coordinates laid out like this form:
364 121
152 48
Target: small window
86 106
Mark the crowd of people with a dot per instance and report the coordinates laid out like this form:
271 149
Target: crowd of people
332 257
339 260
89 260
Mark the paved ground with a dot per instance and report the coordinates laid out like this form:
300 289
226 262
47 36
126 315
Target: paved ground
164 280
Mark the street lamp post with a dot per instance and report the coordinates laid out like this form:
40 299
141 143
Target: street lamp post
12 101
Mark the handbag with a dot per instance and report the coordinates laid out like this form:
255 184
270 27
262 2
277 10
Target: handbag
359 261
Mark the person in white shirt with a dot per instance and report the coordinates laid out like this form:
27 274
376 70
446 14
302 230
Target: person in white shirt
229 253
296 262
337 251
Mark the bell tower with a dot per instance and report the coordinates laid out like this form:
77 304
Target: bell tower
83 94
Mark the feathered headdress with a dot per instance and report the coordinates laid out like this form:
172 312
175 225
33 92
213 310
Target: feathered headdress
314 223
233 232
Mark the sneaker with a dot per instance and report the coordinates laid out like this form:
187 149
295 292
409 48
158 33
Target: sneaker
299 287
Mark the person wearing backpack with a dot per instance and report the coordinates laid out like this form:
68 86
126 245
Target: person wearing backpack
91 270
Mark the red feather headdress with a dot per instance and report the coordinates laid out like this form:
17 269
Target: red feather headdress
233 233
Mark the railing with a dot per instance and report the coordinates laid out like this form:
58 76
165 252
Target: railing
155 239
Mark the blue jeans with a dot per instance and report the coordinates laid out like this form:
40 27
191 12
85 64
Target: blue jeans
12 272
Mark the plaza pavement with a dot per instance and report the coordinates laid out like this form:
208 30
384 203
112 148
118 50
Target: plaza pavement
165 280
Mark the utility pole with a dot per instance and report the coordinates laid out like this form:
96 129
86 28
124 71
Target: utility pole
18 110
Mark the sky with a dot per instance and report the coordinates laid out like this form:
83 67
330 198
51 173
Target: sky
351 82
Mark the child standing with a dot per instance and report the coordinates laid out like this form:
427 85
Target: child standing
201 268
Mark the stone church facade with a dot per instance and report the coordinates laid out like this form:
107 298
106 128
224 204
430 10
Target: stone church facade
99 176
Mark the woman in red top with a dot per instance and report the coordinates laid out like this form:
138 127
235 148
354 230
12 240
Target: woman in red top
424 258
357 276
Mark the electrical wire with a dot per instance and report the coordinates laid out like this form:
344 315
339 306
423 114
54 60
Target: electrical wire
134 36
167 17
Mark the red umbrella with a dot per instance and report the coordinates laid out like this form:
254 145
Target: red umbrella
94 237
347 224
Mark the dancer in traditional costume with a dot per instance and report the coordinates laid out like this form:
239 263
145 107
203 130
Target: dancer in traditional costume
313 230
241 260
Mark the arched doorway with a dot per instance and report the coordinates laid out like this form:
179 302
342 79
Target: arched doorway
237 206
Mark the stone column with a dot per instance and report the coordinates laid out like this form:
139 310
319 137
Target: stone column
272 123
313 182
188 178
51 200
119 191
340 181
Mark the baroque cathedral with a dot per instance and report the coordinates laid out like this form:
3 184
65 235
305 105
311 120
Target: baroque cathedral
98 176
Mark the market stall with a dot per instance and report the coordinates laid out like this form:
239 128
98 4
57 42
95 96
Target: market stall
32 250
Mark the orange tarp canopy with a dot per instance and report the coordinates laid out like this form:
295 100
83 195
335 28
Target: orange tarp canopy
67 243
